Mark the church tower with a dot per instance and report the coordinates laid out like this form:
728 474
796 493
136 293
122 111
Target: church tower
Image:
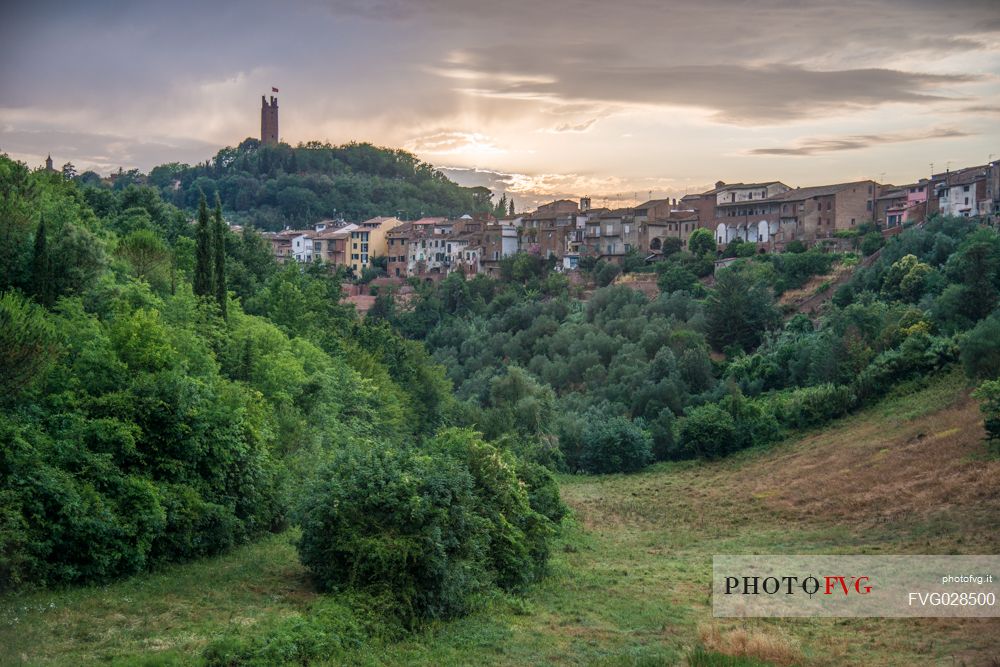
48 162
269 121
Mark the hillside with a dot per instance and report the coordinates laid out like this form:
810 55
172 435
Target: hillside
631 573
273 186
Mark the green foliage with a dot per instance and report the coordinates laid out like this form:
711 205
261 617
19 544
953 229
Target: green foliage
219 232
981 349
427 529
674 276
271 186
613 444
606 272
739 310
147 254
326 632
139 426
702 242
395 522
812 406
793 269
707 431
871 243
42 281
204 273
27 345
989 395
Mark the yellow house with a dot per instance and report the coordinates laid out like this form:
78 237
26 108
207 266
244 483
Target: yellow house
368 241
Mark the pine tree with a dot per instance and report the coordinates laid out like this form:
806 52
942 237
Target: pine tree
204 281
41 268
219 242
511 206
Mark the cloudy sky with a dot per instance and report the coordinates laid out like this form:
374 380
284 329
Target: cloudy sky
613 99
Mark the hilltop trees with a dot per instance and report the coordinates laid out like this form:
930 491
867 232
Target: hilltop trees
271 186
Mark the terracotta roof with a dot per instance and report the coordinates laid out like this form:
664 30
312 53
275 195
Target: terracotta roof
401 229
816 191
653 202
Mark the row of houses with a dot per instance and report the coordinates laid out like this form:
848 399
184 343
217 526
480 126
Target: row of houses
769 214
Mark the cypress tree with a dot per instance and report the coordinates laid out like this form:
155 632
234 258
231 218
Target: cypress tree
204 282
41 268
219 242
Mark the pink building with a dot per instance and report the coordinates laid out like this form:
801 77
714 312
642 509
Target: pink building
912 210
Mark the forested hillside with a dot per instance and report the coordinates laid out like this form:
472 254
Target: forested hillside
618 381
273 186
168 392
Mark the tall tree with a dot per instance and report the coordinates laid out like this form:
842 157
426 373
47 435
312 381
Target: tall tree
204 280
41 268
219 241
145 251
511 202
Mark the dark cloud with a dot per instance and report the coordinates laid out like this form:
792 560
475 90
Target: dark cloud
736 93
981 109
390 70
816 146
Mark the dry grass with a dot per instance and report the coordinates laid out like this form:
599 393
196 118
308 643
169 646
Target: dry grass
765 644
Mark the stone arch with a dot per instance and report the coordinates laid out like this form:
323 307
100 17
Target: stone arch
656 244
721 235
763 231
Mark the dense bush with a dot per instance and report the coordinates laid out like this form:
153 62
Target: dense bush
812 406
989 395
981 349
614 444
708 431
399 523
428 529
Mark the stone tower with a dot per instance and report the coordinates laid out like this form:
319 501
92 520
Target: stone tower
48 163
269 121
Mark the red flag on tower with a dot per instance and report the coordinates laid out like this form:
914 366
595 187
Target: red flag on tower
273 89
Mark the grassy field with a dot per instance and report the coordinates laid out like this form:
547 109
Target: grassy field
631 573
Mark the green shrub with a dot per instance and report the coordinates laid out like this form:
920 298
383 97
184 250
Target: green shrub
517 536
989 393
981 349
614 444
707 431
399 523
812 406
871 243
543 490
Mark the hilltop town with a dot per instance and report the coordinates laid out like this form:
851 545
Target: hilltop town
769 214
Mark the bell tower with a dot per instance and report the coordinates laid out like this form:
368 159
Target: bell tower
269 121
